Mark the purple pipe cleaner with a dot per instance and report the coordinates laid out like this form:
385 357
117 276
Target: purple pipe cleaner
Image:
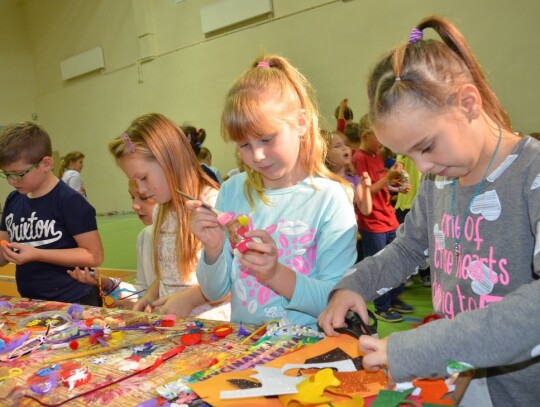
16 343
415 36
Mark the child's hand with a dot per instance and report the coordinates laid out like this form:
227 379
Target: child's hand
261 256
143 305
366 180
178 303
376 354
405 190
18 253
375 349
205 226
341 302
393 173
86 275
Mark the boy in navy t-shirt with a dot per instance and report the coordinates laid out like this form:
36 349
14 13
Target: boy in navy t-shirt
50 227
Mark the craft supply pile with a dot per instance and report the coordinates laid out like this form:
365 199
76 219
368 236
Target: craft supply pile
55 353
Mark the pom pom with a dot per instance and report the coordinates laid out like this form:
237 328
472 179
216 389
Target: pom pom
73 345
243 220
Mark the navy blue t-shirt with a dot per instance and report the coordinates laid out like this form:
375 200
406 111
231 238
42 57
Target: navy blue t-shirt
48 222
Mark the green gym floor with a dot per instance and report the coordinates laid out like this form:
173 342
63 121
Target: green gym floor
118 234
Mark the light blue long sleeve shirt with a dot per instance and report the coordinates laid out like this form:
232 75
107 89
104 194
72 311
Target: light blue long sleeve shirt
314 228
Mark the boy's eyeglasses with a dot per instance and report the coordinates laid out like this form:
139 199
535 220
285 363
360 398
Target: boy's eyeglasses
18 176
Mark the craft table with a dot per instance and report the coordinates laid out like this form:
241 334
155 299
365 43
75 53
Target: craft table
109 371
146 364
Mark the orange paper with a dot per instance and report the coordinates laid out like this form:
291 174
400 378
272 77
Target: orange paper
209 390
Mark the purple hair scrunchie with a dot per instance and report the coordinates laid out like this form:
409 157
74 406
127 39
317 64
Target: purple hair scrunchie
415 36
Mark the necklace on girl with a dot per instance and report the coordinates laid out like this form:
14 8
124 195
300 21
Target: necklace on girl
457 251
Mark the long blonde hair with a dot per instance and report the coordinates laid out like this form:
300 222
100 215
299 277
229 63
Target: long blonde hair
272 77
158 138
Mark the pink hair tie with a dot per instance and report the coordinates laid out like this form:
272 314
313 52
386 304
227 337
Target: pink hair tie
263 64
127 143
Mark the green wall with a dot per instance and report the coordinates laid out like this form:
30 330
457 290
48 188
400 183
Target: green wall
334 43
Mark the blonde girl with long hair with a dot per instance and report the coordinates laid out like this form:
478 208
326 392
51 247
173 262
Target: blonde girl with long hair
299 211
155 153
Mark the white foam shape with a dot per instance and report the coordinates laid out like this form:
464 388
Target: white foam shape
535 351
293 228
537 242
441 182
487 204
169 390
501 168
483 284
536 183
274 381
439 237
129 365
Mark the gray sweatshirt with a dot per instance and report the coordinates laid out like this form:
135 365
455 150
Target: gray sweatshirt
497 276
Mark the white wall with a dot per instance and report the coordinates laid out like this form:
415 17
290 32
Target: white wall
333 42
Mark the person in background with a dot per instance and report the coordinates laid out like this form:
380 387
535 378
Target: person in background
478 215
338 160
157 155
128 293
70 171
403 206
239 166
47 227
196 139
379 228
352 135
344 115
299 216
205 158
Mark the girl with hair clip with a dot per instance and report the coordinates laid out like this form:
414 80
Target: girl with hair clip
301 226
430 100
155 153
70 171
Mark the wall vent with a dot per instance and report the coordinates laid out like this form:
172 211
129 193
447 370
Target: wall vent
226 13
83 63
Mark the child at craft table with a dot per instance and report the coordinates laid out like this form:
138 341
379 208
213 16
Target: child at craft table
155 153
128 294
429 99
47 227
298 217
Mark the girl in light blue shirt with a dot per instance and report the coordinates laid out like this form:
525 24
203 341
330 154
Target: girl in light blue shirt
301 216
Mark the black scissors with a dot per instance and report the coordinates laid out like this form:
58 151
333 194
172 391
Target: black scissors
357 327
